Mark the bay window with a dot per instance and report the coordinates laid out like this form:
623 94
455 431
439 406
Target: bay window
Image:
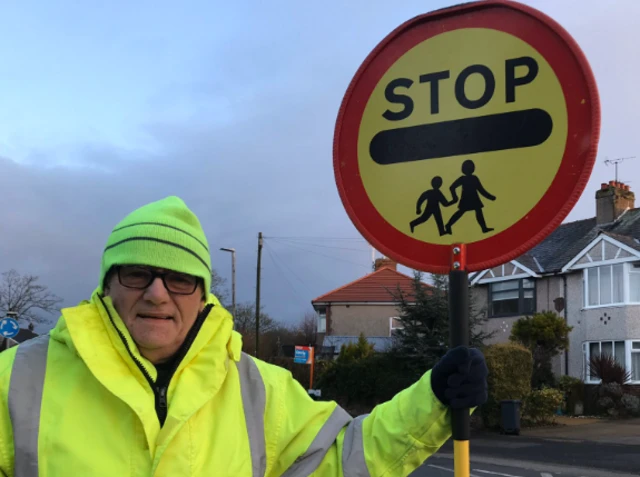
615 284
604 285
635 361
634 282
512 298
625 352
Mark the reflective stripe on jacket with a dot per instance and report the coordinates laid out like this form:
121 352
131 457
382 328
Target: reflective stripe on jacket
76 403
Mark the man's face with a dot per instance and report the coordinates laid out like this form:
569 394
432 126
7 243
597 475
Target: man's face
157 319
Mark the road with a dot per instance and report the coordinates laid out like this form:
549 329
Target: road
443 467
493 455
569 453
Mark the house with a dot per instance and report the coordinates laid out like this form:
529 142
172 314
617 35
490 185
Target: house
588 271
366 305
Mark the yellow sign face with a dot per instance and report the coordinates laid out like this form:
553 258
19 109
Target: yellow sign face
453 152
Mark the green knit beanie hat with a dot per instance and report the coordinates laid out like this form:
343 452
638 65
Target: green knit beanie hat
163 234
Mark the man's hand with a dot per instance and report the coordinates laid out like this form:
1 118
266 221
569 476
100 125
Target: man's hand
459 379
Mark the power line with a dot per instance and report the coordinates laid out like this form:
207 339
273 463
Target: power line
326 256
269 251
291 271
319 238
288 241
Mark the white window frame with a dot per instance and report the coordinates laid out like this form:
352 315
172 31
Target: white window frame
322 320
630 270
627 270
629 351
393 328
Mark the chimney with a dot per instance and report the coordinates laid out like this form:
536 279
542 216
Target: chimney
612 200
385 263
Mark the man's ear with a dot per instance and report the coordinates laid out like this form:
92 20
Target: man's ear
107 281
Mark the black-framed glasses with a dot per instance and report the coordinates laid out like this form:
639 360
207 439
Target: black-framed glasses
137 277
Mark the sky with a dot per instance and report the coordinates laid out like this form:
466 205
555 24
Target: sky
232 107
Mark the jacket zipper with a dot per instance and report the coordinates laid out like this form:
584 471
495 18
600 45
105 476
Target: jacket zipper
160 390
161 403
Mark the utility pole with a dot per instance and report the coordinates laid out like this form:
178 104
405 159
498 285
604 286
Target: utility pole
233 277
258 295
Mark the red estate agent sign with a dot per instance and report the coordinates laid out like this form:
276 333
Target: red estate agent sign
474 125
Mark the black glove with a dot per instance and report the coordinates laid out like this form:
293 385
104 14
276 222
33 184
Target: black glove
459 379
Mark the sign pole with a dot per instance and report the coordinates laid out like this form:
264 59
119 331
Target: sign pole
313 362
459 335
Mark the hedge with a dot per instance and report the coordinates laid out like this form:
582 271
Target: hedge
510 367
362 384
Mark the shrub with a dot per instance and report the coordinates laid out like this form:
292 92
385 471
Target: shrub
607 369
612 390
510 367
546 334
568 384
606 403
574 391
541 406
354 351
631 404
617 401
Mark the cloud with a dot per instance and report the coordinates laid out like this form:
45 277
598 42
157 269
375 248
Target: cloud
244 135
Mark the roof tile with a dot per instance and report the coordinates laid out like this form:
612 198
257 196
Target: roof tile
376 287
565 242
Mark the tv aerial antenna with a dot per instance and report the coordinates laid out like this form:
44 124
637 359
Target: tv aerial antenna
617 161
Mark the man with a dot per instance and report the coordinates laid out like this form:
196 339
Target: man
147 378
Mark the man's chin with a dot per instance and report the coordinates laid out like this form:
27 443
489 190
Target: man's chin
155 340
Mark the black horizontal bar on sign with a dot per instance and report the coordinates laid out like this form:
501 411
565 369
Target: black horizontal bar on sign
496 132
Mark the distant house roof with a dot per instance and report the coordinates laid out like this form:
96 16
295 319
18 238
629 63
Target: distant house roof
569 239
377 287
380 343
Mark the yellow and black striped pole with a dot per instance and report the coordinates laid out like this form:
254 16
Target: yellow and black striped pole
459 334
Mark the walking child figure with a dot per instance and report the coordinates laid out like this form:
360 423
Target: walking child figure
433 197
470 199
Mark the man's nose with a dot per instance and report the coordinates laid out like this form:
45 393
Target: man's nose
156 292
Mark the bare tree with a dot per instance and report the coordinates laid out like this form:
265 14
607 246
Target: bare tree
245 320
219 287
23 295
308 327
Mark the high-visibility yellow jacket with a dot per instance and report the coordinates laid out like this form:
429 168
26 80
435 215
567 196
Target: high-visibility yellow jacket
77 402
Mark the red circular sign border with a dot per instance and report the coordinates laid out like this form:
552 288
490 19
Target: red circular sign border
579 156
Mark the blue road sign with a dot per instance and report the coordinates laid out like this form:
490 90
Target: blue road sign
9 327
301 356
